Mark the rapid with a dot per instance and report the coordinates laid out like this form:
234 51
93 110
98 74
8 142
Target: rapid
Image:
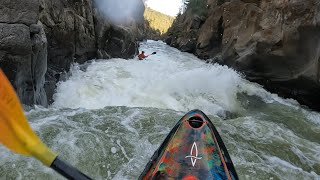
109 116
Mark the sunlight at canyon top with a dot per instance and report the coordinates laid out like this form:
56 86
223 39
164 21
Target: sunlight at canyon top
169 7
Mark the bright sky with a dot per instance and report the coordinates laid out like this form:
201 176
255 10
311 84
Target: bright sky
170 7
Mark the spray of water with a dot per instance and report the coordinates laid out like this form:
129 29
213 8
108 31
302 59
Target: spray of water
121 12
168 80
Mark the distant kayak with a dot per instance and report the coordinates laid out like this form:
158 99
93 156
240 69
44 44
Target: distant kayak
142 56
192 150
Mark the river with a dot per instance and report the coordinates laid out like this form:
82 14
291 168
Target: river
109 116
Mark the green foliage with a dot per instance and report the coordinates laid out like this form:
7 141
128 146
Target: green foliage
157 20
150 32
198 7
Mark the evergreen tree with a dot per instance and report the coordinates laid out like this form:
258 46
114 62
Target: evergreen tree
157 20
198 7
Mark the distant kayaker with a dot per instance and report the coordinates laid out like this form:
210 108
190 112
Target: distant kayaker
142 56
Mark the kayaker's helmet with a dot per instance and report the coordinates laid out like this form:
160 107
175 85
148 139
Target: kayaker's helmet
142 52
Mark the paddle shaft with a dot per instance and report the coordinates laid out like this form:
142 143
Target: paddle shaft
67 170
152 53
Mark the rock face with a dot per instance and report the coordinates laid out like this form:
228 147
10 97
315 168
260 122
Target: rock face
77 31
19 12
40 39
23 49
273 42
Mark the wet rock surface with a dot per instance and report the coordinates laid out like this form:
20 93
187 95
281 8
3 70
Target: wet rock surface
40 39
275 43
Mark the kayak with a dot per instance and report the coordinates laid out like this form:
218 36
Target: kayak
192 150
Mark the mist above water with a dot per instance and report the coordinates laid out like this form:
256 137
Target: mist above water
121 11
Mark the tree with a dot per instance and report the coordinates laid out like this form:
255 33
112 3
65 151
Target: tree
157 20
198 7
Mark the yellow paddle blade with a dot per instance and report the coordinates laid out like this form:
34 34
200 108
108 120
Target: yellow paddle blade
15 132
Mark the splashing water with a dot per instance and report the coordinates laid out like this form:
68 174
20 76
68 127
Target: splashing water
111 115
121 12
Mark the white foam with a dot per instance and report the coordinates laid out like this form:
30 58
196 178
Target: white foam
312 116
257 90
179 81
123 150
277 161
168 80
114 150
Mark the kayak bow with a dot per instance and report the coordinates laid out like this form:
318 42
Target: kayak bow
192 150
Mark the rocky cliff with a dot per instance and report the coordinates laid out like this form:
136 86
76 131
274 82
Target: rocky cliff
273 42
40 39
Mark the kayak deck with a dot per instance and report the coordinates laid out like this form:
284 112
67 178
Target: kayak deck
192 150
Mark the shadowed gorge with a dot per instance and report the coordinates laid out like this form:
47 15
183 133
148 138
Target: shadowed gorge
275 43
104 82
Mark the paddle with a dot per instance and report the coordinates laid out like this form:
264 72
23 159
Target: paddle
153 53
17 135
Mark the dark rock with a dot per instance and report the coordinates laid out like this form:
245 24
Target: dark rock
187 45
187 41
217 59
115 40
39 65
168 40
39 36
120 43
269 41
52 78
70 31
15 48
210 37
23 59
101 54
15 39
196 22
19 11
290 61
302 89
35 28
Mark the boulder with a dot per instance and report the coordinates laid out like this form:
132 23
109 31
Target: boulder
187 45
70 31
23 59
113 40
15 58
196 22
120 42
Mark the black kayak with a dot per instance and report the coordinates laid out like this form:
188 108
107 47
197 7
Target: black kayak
192 150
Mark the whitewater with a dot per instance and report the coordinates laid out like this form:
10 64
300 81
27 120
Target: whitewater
109 116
